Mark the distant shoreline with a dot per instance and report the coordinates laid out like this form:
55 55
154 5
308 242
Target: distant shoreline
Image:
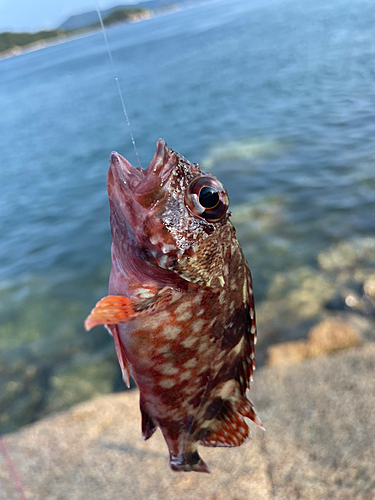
65 37
41 44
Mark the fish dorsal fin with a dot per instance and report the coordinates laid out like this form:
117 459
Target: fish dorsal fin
229 428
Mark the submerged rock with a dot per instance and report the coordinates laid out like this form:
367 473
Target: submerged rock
258 217
332 335
245 149
343 284
324 338
348 255
294 303
83 379
288 353
39 379
369 286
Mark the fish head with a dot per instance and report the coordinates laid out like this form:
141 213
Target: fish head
170 219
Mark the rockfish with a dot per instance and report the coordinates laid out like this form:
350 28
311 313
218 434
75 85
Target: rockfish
181 306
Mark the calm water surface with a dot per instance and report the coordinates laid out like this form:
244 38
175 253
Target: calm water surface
277 98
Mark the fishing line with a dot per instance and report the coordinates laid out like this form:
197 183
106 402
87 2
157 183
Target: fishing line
12 468
117 81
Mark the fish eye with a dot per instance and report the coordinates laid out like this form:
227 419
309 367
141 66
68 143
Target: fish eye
207 198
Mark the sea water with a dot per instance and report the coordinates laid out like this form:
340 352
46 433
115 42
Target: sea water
276 98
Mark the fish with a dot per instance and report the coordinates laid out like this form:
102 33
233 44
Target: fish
181 304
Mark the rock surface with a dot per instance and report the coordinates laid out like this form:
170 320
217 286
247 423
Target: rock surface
319 444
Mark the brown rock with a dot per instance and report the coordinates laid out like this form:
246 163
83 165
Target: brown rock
327 336
332 335
369 286
287 353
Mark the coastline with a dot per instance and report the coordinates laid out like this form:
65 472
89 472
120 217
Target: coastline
48 42
40 44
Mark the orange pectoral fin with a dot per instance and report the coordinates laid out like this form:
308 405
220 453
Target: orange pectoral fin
115 309
110 310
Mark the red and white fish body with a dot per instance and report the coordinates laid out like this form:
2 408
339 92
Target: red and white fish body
181 306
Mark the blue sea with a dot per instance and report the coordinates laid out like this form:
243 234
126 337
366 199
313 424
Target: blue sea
276 98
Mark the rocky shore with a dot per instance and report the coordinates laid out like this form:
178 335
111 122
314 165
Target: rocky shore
319 444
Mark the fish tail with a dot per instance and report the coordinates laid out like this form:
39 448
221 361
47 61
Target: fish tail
229 427
189 461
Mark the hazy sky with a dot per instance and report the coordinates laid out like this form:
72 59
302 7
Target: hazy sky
33 15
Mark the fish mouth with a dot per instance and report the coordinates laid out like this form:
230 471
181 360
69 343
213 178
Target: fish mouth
146 184
125 172
139 180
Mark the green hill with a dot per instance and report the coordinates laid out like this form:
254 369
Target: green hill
120 15
9 40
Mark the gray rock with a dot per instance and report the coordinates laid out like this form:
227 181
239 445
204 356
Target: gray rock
319 444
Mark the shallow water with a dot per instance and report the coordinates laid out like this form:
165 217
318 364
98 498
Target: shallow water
276 98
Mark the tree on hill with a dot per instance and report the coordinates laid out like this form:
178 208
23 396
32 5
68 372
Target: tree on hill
120 15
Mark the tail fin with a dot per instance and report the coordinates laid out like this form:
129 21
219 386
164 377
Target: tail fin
229 427
190 461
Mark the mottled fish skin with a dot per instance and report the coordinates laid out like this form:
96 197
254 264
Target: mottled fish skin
181 306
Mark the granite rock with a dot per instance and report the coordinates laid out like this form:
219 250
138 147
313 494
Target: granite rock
319 444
